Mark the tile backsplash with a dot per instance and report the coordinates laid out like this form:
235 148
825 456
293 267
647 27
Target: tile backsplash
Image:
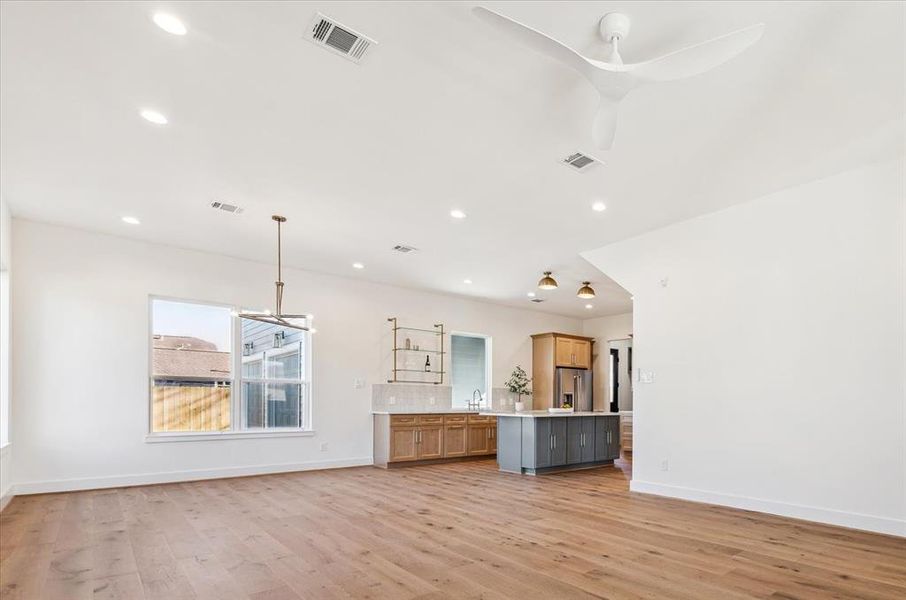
411 396
417 397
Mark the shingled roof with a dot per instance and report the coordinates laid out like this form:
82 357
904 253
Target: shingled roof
181 356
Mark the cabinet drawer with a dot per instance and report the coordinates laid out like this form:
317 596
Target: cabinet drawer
430 419
403 419
480 419
454 419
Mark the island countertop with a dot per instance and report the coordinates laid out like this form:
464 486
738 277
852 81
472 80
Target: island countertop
537 414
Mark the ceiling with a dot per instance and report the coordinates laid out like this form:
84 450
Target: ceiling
443 113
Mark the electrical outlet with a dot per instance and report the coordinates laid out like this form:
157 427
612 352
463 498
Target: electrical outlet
431 401
323 446
646 376
665 465
392 400
358 384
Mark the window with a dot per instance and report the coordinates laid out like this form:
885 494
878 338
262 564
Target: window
471 368
201 353
273 376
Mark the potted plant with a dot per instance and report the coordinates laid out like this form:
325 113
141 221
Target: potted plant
518 384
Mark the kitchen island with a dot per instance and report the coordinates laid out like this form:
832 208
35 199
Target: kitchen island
539 442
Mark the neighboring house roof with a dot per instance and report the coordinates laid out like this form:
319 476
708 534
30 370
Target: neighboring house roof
179 356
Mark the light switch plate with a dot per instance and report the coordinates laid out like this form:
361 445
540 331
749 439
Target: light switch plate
646 376
358 384
392 400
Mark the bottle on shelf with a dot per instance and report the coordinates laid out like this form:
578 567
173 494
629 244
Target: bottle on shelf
427 363
408 344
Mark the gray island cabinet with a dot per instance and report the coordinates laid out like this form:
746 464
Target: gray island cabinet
537 442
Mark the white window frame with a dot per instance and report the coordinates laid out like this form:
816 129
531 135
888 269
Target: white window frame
488 364
303 382
237 416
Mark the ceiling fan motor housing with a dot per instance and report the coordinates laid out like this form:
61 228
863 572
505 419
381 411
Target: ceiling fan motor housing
614 25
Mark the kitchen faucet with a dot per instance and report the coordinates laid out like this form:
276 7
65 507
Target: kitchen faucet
473 404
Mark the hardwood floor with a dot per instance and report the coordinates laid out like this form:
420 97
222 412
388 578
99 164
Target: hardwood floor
459 530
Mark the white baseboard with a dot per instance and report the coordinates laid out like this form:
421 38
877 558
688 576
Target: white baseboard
797 511
94 483
5 497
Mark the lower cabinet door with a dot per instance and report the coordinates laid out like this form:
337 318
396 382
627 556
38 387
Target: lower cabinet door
588 439
402 444
544 443
455 441
492 443
614 437
602 452
430 442
479 439
573 440
558 433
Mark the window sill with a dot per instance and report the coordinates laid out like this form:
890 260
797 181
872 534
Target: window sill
155 438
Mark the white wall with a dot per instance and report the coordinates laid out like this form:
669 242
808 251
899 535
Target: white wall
81 356
604 329
5 389
777 348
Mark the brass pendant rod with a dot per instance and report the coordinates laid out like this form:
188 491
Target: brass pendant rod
279 283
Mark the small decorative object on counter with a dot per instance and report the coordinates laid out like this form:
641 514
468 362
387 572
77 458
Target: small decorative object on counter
427 363
408 344
518 384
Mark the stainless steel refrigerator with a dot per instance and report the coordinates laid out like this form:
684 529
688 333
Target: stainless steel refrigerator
573 386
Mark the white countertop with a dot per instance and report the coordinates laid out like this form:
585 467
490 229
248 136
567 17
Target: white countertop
535 414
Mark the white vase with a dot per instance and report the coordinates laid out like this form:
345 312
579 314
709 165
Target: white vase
520 406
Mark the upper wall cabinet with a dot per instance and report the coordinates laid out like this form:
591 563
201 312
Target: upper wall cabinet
572 352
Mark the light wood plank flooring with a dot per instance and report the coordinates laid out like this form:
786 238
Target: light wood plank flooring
445 531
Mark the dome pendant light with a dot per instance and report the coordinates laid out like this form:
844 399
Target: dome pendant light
547 282
277 317
586 291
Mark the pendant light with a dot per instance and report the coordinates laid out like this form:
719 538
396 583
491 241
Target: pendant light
586 291
547 282
277 317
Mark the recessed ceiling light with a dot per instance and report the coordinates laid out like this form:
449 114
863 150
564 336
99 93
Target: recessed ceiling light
153 116
632 297
358 265
598 207
468 281
169 23
457 214
531 294
131 221
589 306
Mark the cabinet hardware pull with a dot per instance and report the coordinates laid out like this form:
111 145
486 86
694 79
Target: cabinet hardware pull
550 442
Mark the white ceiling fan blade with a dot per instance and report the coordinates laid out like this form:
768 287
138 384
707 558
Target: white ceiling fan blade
536 40
698 58
605 126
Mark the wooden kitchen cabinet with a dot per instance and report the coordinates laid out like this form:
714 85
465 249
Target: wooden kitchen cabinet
402 439
430 442
455 442
403 446
553 350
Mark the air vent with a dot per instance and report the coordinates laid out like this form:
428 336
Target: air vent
342 40
580 162
230 208
404 249
537 300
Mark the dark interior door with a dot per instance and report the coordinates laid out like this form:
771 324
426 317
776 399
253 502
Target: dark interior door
614 379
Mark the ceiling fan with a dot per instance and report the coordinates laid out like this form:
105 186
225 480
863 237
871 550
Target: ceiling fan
611 77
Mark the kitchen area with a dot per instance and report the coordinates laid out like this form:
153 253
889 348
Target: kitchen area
446 410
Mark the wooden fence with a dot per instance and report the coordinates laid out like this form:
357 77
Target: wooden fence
190 408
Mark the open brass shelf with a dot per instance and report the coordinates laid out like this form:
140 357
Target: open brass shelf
438 331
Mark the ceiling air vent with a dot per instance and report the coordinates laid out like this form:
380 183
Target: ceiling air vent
404 249
342 40
230 208
581 162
